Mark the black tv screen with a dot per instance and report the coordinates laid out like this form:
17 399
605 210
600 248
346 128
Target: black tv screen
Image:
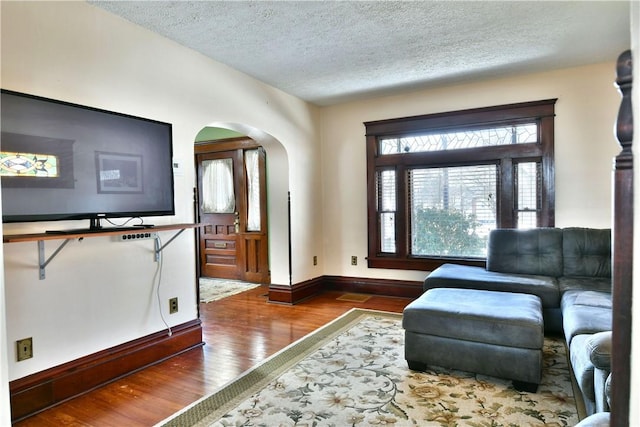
62 161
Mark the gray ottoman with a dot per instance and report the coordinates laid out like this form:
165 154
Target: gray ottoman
492 333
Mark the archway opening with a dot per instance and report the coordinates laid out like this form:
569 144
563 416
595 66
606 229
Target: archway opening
277 187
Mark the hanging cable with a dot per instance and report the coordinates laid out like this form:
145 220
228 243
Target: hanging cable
158 275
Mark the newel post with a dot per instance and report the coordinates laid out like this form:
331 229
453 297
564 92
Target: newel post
622 249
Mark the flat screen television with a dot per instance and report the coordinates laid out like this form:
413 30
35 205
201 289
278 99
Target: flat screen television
62 161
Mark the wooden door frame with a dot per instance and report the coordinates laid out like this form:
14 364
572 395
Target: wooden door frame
228 144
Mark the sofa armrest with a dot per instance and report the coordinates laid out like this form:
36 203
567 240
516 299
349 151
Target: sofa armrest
607 390
600 419
599 348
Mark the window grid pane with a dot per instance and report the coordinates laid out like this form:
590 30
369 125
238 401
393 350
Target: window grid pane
455 140
452 210
527 219
528 200
388 232
386 206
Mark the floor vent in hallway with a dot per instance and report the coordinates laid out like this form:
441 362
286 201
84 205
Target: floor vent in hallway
354 297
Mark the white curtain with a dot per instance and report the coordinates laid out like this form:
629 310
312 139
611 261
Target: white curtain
253 190
217 186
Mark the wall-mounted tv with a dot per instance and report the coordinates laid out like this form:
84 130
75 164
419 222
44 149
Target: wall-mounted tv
62 161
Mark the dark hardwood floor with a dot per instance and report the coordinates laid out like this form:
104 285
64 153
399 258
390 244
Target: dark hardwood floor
239 332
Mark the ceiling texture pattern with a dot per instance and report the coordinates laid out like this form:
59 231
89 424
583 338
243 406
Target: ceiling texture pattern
329 52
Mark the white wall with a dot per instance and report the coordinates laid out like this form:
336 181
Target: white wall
584 147
99 294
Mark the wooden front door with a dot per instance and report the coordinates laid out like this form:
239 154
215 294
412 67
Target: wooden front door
233 241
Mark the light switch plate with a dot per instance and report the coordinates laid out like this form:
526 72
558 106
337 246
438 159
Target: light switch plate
24 349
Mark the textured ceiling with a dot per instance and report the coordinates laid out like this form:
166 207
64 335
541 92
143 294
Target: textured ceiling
329 52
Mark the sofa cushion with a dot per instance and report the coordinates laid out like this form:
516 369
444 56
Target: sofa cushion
589 298
468 277
535 252
586 252
584 319
601 284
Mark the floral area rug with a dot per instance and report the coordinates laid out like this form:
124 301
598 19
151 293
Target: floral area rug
353 373
215 289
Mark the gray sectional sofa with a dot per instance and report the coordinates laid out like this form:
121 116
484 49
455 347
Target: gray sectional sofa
570 270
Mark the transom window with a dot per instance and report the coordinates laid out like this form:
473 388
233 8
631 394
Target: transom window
438 184
454 140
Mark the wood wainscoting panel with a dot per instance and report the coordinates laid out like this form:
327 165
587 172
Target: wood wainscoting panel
45 389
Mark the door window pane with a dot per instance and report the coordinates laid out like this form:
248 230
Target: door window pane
217 186
253 190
